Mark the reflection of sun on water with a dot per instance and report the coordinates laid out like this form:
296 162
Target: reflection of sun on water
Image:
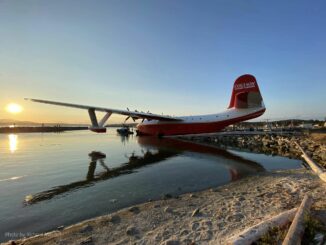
13 142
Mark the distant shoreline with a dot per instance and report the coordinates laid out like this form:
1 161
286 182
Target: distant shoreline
5 130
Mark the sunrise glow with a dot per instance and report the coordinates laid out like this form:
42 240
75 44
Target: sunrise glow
14 108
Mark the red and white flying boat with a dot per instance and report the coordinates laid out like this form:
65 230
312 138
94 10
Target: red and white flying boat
246 103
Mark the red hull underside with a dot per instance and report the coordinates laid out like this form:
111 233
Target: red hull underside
161 129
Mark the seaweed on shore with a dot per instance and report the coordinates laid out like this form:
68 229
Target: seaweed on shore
276 235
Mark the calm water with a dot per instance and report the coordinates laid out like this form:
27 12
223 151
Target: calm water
48 180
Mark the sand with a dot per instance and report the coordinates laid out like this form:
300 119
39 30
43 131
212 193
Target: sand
206 217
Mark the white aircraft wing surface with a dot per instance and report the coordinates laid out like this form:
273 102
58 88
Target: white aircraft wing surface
132 114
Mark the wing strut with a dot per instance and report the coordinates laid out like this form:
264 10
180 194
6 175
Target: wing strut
98 127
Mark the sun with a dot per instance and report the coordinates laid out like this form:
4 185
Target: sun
14 108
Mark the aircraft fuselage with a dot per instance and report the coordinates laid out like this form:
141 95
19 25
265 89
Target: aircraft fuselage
198 124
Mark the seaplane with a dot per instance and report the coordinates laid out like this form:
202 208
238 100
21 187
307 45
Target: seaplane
246 103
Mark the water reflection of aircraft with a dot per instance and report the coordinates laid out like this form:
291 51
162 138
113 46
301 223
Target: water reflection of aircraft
246 103
237 164
156 150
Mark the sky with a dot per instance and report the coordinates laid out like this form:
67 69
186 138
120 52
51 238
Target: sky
171 57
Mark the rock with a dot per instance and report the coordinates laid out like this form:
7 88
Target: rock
192 243
131 231
115 219
194 226
206 235
168 210
134 210
323 156
60 228
195 212
184 232
269 195
241 198
192 195
167 196
235 218
206 223
86 228
89 240
237 204
166 234
171 242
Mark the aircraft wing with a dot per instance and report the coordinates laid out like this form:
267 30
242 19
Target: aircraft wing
132 114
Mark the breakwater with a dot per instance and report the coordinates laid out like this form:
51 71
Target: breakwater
6 130
270 144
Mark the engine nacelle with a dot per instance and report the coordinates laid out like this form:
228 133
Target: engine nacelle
98 129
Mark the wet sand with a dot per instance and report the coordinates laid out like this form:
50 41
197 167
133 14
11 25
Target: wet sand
206 217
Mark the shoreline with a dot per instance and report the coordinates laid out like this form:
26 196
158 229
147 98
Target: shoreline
206 217
38 129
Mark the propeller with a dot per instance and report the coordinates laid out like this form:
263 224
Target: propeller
133 118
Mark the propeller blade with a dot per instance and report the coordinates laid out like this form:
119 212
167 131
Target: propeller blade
127 118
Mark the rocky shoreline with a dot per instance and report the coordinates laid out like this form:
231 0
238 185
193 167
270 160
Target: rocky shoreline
282 145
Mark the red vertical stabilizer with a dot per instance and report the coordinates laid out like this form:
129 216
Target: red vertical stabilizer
245 93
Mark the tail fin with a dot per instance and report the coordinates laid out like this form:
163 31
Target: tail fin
246 93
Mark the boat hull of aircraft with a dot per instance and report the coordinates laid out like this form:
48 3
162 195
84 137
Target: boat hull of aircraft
184 128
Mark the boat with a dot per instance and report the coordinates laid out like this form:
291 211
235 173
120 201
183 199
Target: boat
125 130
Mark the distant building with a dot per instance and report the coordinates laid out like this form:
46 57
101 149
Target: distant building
306 125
